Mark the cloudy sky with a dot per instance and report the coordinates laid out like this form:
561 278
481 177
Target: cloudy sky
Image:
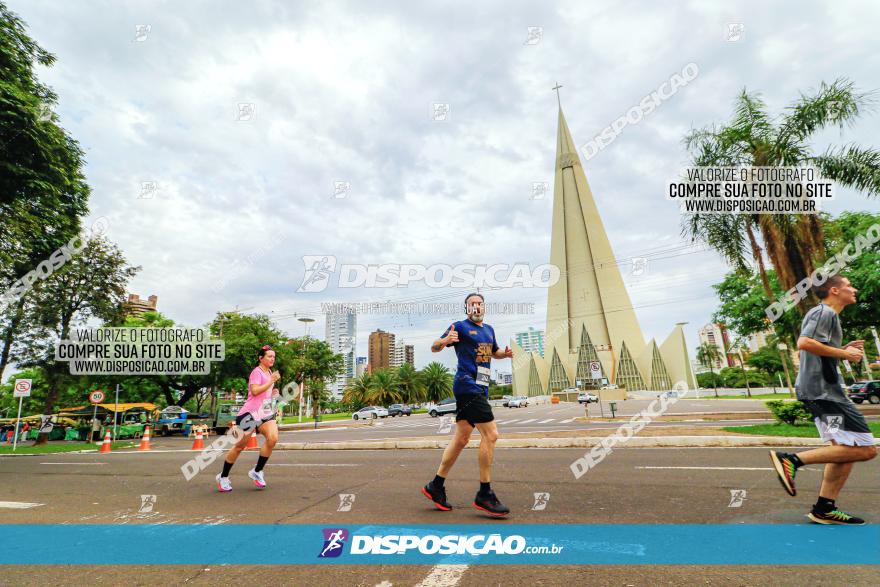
219 202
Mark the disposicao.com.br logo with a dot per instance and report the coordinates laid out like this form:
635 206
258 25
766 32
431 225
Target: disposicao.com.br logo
320 269
447 544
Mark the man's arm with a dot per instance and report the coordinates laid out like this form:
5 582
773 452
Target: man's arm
441 343
849 353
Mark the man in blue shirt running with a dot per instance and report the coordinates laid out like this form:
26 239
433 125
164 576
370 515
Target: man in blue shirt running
475 347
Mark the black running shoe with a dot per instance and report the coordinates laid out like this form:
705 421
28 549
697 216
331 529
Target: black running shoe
785 470
835 516
489 503
437 495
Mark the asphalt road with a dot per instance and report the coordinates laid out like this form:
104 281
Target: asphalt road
648 486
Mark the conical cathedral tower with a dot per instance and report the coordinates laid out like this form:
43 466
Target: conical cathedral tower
589 313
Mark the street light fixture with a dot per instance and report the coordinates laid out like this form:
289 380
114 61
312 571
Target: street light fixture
302 395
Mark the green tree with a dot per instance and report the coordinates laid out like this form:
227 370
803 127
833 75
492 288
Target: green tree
90 285
357 391
410 382
384 388
437 381
43 192
793 242
707 355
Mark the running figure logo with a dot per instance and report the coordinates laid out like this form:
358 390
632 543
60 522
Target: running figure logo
346 500
834 423
147 503
334 540
318 269
541 500
737 497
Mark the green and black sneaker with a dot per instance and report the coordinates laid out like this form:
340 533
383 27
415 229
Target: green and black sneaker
785 470
835 516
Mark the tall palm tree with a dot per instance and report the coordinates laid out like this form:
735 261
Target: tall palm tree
794 243
410 383
384 388
437 381
357 390
707 354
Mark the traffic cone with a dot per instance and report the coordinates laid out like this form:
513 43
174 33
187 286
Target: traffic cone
145 440
199 443
106 445
252 442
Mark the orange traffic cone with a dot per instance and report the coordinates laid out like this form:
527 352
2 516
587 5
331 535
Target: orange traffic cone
145 440
252 442
199 443
106 445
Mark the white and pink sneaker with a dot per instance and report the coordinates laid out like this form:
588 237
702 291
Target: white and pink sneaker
257 476
224 485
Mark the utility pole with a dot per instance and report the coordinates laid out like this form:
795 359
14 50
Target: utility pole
306 322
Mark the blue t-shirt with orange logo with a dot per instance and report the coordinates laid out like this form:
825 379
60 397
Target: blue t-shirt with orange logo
474 349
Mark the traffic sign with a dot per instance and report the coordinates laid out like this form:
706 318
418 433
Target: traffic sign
22 388
96 396
595 369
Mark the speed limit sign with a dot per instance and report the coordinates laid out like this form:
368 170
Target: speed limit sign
96 396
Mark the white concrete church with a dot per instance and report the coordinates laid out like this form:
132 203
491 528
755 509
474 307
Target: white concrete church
589 314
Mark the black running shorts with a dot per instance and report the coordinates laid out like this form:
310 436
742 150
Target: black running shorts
473 408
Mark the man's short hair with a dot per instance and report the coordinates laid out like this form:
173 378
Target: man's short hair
823 290
469 296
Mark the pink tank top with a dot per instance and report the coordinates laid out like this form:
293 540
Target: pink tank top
260 405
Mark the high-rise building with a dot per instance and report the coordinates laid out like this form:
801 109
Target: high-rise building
716 335
381 350
409 355
361 367
531 340
135 306
758 339
592 333
340 332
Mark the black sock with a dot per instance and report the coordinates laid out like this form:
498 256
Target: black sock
261 462
484 488
824 505
796 460
438 481
227 466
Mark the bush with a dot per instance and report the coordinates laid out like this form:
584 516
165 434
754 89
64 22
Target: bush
789 412
709 380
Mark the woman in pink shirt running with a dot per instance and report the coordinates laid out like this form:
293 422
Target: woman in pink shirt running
256 415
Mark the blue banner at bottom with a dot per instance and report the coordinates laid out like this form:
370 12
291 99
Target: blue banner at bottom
518 544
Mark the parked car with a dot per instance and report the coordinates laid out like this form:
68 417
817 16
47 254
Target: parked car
169 421
446 406
518 402
370 412
505 398
399 410
587 398
869 391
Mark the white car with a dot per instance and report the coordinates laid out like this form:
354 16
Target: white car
370 412
517 402
587 398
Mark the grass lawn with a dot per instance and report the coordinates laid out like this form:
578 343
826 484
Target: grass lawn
333 417
800 431
710 394
56 447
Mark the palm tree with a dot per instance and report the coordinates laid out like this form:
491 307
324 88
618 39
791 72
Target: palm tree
794 243
384 388
357 390
437 381
707 354
410 383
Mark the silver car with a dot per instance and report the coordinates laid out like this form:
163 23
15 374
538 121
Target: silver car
446 406
370 412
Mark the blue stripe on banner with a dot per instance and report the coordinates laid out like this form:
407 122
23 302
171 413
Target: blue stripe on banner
520 544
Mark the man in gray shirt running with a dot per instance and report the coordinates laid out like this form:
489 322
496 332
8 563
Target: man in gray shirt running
820 387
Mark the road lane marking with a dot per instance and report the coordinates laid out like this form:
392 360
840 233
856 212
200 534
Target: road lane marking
511 421
527 421
547 420
316 464
715 468
568 421
443 576
77 464
19 505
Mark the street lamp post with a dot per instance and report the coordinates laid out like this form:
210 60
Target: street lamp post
302 395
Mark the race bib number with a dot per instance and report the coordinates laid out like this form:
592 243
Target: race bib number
483 374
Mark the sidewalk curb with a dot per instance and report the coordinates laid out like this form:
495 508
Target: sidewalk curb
580 442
